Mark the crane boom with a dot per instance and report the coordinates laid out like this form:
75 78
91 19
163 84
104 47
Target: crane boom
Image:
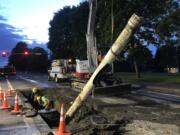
90 38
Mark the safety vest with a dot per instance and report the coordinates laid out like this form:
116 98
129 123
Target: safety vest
44 101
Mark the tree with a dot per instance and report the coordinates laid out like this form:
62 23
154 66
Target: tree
38 60
141 57
168 28
165 57
68 27
17 58
35 59
153 11
67 32
169 34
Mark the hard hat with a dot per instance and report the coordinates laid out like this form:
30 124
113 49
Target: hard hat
35 90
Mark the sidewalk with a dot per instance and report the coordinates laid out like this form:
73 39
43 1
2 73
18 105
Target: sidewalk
19 124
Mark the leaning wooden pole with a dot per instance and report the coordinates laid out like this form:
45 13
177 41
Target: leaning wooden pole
116 48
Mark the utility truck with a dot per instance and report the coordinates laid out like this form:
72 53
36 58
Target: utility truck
59 70
85 68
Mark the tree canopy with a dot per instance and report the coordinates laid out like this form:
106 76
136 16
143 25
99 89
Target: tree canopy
36 59
68 27
17 58
67 32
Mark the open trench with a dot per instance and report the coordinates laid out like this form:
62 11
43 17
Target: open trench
113 114
88 120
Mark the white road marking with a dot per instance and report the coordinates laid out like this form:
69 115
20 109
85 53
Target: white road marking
36 82
11 128
10 85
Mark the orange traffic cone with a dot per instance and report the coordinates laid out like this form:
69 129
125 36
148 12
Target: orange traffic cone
61 130
1 94
10 92
5 103
16 105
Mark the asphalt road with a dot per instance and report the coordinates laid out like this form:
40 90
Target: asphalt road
19 124
27 81
24 81
139 106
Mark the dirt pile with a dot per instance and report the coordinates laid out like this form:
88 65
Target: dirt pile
91 122
87 120
139 127
118 115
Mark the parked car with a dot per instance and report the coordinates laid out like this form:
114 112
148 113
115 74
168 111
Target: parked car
7 70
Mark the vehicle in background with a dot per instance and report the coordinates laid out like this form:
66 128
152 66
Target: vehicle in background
1 71
60 70
82 69
8 71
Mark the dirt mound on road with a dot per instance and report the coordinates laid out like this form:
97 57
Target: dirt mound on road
122 115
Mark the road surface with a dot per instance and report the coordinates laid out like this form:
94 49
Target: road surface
151 114
19 124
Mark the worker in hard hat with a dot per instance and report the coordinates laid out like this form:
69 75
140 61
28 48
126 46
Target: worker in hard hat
35 91
43 101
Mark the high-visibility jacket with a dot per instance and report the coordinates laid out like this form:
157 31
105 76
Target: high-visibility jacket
44 101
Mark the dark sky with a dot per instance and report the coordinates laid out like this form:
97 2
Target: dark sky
9 38
28 21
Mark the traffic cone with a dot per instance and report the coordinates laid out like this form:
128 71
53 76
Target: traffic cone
5 103
61 130
1 94
10 92
16 105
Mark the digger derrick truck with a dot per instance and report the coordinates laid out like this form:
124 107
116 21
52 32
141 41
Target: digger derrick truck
115 49
86 67
106 82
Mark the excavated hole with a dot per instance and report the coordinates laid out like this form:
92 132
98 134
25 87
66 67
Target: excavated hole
86 120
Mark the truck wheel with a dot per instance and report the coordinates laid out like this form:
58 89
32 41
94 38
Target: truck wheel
56 79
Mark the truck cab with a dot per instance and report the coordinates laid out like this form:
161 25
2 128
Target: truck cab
58 71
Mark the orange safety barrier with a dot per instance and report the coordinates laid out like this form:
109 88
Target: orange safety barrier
1 94
5 103
62 130
16 105
10 92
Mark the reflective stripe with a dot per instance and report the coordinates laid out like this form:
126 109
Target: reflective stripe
45 101
5 96
62 118
16 99
62 113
